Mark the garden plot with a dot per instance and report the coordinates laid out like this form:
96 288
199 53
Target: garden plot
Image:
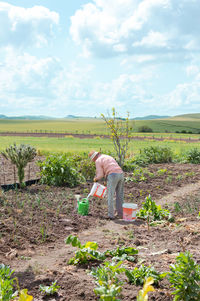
35 222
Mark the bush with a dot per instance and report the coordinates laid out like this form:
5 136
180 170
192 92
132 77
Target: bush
87 169
156 154
193 156
145 129
185 278
129 164
85 166
59 170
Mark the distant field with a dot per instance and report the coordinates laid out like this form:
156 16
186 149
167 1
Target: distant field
97 126
77 145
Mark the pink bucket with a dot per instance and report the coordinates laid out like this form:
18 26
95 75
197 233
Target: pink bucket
129 211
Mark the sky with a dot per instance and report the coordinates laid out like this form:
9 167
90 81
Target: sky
73 57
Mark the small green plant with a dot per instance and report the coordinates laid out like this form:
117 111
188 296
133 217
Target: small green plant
138 275
177 207
6 283
161 171
179 177
124 253
152 212
140 175
49 289
109 286
169 179
7 292
184 276
147 287
20 156
85 253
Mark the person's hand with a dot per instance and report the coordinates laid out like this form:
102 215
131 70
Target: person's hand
95 179
104 183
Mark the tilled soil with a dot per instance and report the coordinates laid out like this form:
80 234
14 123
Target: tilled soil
36 220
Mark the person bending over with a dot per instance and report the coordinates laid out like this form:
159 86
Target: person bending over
108 168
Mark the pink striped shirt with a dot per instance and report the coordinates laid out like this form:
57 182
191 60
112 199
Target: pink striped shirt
106 165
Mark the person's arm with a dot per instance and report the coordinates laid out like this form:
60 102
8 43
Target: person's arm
99 171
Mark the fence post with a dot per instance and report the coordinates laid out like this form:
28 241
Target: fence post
14 174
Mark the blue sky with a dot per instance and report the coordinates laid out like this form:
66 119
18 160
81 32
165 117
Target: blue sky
85 57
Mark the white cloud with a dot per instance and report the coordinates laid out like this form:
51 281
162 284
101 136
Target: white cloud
153 39
109 28
26 26
25 81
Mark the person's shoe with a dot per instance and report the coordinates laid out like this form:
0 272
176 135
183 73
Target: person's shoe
119 216
110 218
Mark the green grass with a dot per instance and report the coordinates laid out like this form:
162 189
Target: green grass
77 145
97 126
83 126
170 125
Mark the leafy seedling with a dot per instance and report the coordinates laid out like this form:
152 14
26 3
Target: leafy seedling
138 275
124 253
85 253
49 289
109 286
184 276
152 212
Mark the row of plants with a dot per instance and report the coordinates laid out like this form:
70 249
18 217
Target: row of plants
159 155
62 169
184 275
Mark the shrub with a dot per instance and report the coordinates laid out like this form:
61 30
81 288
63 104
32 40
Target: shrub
185 278
120 130
20 156
157 154
85 166
59 170
145 129
87 169
129 164
193 156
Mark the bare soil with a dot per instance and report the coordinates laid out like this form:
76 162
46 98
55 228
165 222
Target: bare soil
36 220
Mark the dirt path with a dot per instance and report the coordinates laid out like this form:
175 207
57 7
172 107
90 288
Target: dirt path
173 197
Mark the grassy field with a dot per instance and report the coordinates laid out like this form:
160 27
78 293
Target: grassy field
77 145
97 126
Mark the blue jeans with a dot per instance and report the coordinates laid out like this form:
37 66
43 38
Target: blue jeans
115 183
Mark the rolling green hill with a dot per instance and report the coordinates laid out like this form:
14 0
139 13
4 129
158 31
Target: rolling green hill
189 123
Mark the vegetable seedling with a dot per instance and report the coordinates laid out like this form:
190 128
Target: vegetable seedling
49 289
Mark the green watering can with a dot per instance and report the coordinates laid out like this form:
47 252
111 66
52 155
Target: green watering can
83 207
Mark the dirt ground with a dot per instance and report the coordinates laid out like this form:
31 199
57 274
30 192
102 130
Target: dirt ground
36 220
